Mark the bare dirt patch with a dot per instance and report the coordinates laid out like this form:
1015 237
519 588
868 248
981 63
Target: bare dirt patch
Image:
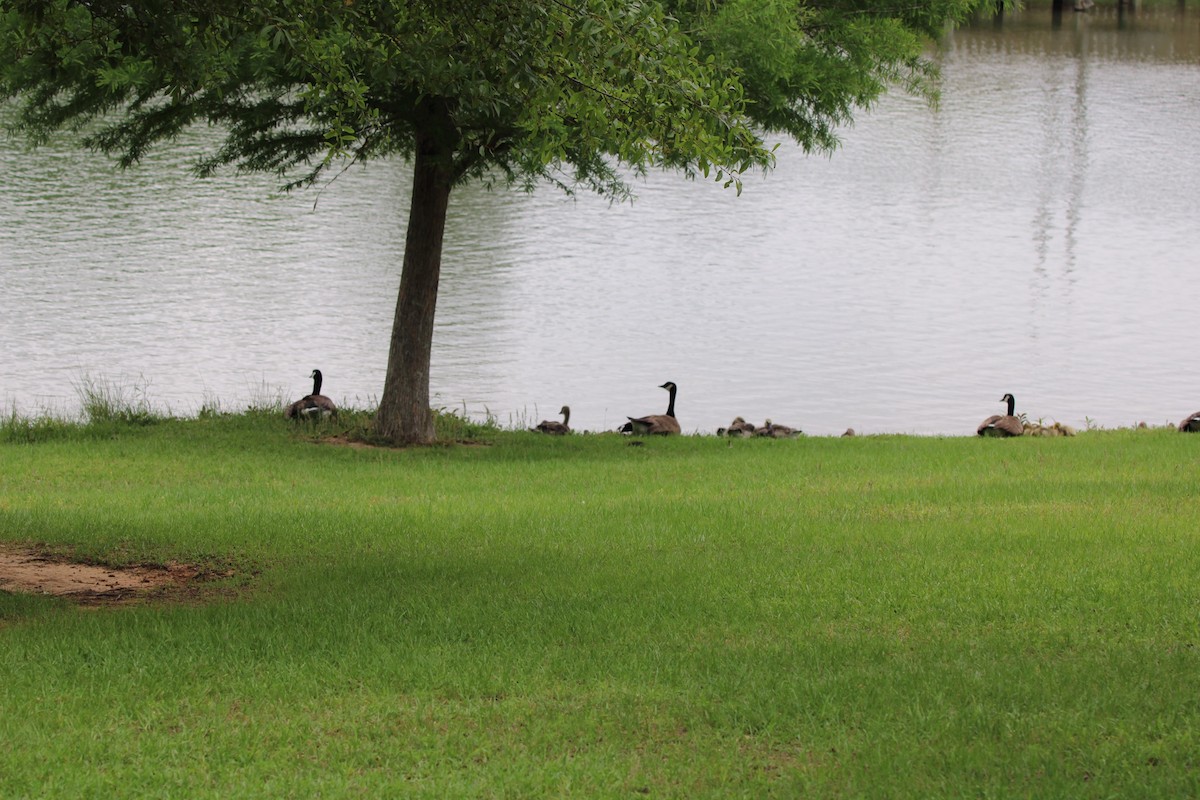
353 444
359 444
33 570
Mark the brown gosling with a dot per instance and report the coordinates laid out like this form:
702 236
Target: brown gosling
777 431
739 427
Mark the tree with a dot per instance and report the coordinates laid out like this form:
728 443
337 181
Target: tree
576 93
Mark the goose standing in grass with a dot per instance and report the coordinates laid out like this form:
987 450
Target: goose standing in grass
1003 425
739 427
314 405
1191 424
554 427
662 424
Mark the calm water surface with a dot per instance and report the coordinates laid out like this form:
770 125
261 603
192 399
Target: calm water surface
1036 234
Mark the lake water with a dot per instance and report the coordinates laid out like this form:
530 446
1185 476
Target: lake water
1036 234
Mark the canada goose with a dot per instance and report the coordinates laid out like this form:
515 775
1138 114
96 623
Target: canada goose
776 431
553 426
1191 424
314 405
849 432
662 424
739 427
1007 425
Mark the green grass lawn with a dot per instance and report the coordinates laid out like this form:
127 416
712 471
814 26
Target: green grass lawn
879 617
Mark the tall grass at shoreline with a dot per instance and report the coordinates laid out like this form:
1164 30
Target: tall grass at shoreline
880 616
106 406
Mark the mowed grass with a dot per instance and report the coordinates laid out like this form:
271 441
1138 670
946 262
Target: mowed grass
576 617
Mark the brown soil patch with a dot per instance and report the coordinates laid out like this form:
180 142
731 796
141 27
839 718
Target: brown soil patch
358 444
31 570
355 444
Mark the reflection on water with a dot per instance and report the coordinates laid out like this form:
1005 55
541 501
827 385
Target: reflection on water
1032 235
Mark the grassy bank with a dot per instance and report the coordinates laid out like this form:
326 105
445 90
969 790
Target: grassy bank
875 617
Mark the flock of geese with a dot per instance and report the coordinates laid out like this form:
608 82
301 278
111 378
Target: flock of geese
1009 424
666 424
317 405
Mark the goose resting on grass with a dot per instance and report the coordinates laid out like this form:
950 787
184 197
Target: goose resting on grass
777 431
661 424
553 426
1191 424
739 427
1002 425
313 406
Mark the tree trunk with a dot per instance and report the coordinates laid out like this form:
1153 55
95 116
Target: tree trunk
404 416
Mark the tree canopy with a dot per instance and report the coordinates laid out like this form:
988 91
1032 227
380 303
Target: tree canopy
577 93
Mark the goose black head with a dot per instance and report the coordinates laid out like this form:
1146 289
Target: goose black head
670 387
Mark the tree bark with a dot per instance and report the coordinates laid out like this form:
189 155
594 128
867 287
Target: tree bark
404 415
